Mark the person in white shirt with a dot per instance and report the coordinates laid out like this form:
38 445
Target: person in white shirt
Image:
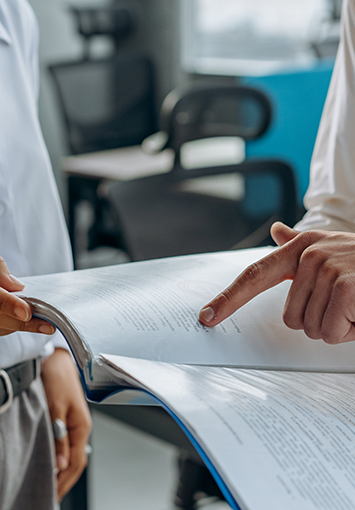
319 255
33 240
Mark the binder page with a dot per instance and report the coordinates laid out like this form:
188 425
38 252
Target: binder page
279 440
150 310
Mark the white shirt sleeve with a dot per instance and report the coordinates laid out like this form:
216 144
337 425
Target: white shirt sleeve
33 235
56 341
330 199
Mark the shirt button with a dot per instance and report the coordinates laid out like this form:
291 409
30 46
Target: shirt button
2 209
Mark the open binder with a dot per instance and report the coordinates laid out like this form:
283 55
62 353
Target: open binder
271 412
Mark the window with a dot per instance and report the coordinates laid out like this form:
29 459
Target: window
239 37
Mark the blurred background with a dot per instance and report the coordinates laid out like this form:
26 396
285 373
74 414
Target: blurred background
162 118
186 38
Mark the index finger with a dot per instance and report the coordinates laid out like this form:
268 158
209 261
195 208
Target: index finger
273 269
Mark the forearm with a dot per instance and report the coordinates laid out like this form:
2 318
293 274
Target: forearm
66 402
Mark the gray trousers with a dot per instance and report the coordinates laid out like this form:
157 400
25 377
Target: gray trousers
27 454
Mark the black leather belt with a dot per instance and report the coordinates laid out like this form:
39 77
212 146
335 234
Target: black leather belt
14 380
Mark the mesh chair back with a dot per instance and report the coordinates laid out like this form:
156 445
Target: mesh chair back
106 103
117 21
205 112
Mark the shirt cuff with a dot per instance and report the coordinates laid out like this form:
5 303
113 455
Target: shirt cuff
55 342
315 220
59 341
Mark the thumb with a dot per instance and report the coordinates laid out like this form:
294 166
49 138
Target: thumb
282 234
8 281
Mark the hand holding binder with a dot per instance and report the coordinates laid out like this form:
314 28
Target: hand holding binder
15 314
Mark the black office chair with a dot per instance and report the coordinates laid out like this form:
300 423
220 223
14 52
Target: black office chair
160 216
118 21
106 103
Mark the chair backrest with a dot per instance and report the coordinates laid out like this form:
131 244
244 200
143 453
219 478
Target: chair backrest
231 110
118 21
213 111
115 20
210 111
106 103
208 206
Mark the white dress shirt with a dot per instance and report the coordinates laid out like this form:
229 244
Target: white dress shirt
330 199
33 235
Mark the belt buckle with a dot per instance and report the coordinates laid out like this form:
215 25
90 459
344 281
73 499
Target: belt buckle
10 393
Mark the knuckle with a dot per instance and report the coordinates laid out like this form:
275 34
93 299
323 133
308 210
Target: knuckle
329 271
312 331
330 333
287 319
22 326
254 273
291 321
227 296
330 337
224 301
4 301
312 255
344 287
308 238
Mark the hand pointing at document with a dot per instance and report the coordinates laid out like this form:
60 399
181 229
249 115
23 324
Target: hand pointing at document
321 300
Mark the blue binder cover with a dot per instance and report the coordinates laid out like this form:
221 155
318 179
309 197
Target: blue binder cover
211 467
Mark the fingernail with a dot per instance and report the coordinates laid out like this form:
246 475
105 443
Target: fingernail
46 329
15 280
62 462
207 314
22 313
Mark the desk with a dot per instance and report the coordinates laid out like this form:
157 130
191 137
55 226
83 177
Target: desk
86 172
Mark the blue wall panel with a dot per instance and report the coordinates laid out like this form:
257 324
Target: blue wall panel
298 99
